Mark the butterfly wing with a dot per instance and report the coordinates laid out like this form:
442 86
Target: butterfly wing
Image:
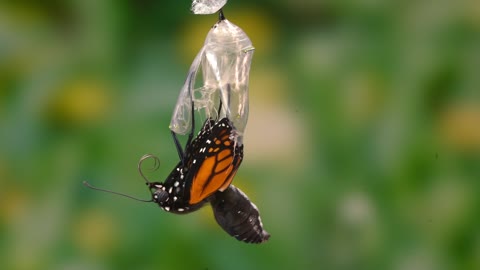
238 216
215 162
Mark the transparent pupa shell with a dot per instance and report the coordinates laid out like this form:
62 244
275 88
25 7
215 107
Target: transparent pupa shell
207 6
225 62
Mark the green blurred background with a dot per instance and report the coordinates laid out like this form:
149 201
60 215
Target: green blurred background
362 148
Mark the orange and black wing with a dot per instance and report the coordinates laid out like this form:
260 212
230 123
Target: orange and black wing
214 162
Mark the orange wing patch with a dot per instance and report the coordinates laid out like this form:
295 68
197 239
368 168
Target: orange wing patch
215 173
232 174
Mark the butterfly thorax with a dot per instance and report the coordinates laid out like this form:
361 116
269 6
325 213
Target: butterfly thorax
171 198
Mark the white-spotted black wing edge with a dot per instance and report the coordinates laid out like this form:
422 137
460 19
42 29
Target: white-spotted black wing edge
238 216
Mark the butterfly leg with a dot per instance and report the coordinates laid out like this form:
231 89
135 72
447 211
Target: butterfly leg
192 130
180 150
178 146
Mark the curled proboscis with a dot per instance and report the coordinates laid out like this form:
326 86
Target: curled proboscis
155 167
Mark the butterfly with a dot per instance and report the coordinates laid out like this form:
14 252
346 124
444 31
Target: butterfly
203 176
208 163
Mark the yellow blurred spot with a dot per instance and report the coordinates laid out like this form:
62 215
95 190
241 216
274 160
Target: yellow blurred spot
460 127
472 13
192 36
290 148
21 14
13 205
269 85
256 23
81 102
95 233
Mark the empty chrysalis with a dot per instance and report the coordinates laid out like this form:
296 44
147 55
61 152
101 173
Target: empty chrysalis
207 6
225 60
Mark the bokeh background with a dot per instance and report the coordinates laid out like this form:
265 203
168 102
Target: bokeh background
362 148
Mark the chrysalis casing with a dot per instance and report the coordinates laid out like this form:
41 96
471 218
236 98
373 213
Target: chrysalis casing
225 61
207 6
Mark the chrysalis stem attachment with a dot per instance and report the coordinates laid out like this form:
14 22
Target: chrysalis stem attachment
85 183
221 17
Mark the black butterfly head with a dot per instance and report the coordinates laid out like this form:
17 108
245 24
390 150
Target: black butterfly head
159 194
170 198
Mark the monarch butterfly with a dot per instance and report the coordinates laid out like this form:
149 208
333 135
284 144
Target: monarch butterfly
209 162
203 175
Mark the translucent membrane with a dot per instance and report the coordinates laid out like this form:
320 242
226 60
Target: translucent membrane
207 6
225 62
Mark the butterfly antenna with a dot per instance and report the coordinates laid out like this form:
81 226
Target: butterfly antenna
85 183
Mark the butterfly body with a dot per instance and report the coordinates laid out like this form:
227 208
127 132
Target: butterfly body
204 175
238 216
